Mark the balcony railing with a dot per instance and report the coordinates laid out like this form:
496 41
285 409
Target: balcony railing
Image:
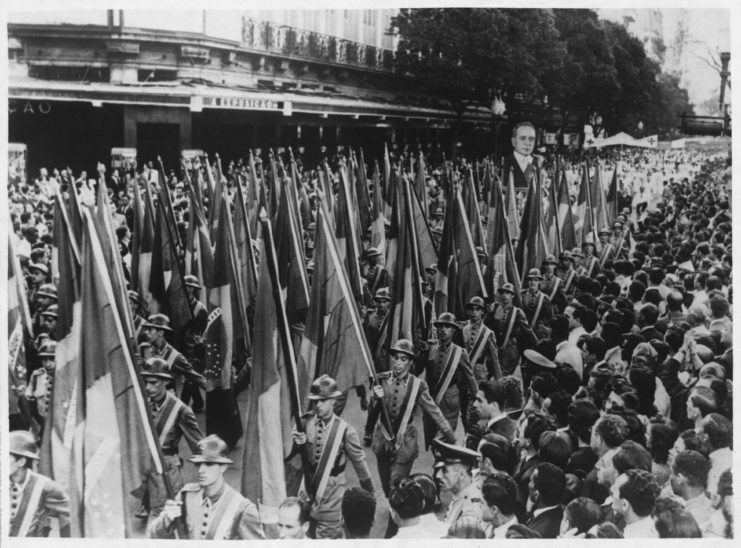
282 39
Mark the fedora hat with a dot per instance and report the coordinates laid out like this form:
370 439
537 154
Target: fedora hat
156 367
324 388
508 287
158 321
211 449
405 346
21 443
446 319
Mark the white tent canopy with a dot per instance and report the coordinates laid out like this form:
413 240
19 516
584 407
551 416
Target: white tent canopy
622 139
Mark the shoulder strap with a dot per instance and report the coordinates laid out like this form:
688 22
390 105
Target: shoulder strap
226 511
409 403
172 355
569 278
538 308
556 285
328 457
510 326
452 359
31 505
175 405
478 346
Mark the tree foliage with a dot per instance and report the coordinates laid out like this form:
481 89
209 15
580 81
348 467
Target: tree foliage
581 63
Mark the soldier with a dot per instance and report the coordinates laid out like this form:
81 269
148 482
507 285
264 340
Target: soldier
449 372
438 219
155 328
49 321
33 498
38 274
590 263
210 508
567 272
45 297
193 348
173 420
401 393
453 472
375 326
331 442
606 249
551 284
511 329
536 305
481 255
40 385
480 342
376 275
197 308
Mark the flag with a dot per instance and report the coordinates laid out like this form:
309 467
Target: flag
333 341
552 224
142 249
471 204
267 419
420 184
199 254
612 197
19 330
347 234
378 228
166 201
56 445
566 215
512 215
531 248
246 261
427 251
222 414
361 191
599 208
499 242
585 223
113 446
253 196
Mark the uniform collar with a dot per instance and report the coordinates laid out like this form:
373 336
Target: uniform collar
210 501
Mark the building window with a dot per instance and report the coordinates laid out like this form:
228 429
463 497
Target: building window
367 17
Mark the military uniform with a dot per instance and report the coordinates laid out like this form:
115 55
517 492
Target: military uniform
226 516
460 385
179 366
511 341
467 503
173 420
481 345
552 286
377 278
326 513
537 302
589 267
33 503
39 390
396 451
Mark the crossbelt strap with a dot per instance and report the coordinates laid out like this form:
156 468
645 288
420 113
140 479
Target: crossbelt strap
328 457
510 326
480 344
451 365
33 503
177 405
556 285
222 528
538 308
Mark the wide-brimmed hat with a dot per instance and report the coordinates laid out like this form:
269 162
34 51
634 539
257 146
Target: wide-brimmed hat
405 346
382 294
446 319
47 350
156 367
191 281
324 388
38 266
133 296
550 259
576 252
534 274
22 444
508 287
47 290
211 449
158 321
52 311
476 301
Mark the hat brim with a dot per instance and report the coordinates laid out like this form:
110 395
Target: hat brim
163 376
26 454
194 286
335 394
155 326
474 305
538 277
199 459
400 351
46 355
503 290
443 323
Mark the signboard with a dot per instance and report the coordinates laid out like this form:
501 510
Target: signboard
189 155
123 158
17 155
551 138
241 103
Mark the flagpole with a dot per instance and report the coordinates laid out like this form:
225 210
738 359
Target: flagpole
286 344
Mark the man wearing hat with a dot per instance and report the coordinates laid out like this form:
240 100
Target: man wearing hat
197 308
173 421
454 472
536 305
41 383
438 217
33 498
375 323
589 262
511 329
46 295
192 346
606 249
49 321
38 274
480 342
331 443
401 393
551 284
449 373
155 328
212 510
375 274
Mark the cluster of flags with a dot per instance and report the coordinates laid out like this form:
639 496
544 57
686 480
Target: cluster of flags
266 310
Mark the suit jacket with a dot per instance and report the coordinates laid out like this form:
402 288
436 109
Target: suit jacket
510 164
581 462
548 524
523 471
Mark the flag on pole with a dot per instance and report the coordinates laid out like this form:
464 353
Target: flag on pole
585 223
378 228
246 261
565 215
597 194
502 267
420 184
113 448
142 249
333 341
612 197
512 215
347 234
363 194
531 248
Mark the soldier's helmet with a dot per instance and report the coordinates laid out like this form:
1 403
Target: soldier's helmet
47 349
446 319
324 388
158 321
405 346
47 290
191 281
21 443
213 450
156 367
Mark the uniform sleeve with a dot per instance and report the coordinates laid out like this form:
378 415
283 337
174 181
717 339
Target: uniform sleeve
433 411
182 365
495 369
467 370
190 429
159 528
249 523
525 335
56 502
355 453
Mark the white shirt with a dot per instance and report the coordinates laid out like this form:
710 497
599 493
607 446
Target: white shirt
501 531
720 461
575 334
569 354
643 528
522 161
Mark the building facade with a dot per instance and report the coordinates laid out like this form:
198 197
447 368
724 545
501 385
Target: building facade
82 83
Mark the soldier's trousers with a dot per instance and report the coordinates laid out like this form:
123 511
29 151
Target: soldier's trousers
156 485
326 516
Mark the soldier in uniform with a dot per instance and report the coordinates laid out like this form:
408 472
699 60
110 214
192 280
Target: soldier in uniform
511 329
480 343
45 297
173 421
438 219
375 326
552 285
38 274
155 328
49 321
401 393
193 348
453 472
197 308
331 443
211 509
40 385
449 373
606 249
33 498
590 263
376 275
536 305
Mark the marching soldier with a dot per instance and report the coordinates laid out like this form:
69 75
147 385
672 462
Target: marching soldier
375 326
173 421
38 274
449 373
511 329
453 473
536 305
139 321
567 272
331 442
40 385
376 275
480 343
590 263
197 308
46 295
210 508
155 328
552 285
606 249
193 349
33 498
401 393
49 321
